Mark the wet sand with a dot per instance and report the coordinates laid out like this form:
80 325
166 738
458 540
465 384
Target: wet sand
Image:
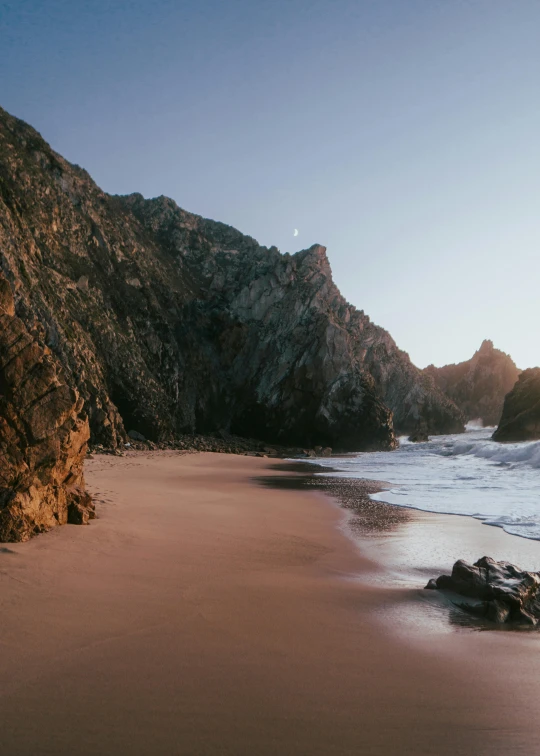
205 614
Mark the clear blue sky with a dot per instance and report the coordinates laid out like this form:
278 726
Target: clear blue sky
402 134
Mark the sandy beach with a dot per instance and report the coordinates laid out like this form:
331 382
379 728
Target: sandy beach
203 613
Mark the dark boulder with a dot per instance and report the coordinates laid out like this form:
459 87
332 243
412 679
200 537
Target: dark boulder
498 591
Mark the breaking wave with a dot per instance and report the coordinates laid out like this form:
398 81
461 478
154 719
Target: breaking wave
503 454
466 474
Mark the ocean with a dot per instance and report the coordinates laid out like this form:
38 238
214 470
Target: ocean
464 474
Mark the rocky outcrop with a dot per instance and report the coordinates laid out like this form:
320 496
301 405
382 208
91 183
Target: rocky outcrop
167 323
498 591
292 300
520 419
43 435
479 385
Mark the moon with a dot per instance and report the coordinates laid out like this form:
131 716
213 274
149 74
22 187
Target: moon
295 232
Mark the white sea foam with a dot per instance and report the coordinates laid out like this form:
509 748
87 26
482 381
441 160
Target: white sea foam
467 474
474 425
525 453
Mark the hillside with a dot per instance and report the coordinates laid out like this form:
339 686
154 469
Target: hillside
167 323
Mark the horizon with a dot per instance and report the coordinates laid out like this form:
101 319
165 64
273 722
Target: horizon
418 175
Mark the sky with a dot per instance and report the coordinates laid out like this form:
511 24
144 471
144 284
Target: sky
401 134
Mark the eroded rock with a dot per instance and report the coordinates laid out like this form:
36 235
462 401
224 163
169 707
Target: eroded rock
520 419
498 591
479 385
43 435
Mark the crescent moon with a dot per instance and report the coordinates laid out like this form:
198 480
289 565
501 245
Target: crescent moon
295 232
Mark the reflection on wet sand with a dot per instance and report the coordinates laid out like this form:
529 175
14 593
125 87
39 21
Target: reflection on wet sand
406 546
368 516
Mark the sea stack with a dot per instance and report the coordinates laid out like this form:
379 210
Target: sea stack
520 419
478 386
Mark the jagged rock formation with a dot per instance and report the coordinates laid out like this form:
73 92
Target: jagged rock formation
43 435
168 323
498 591
520 419
479 385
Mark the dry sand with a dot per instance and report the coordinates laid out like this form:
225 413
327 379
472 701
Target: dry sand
202 614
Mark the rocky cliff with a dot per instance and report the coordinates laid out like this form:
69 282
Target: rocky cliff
168 323
520 419
479 385
43 435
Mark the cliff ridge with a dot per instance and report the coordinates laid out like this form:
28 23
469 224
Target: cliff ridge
478 386
168 323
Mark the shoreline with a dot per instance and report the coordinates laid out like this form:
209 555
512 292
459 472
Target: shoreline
372 514
204 614
471 477
408 546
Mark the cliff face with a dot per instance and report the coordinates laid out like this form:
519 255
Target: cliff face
520 419
168 323
479 385
43 435
283 296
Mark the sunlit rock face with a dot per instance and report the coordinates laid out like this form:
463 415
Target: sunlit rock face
43 435
479 385
520 419
168 323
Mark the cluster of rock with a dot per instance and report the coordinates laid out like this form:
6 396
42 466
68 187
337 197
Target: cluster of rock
221 443
520 419
170 324
498 591
479 385
43 435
